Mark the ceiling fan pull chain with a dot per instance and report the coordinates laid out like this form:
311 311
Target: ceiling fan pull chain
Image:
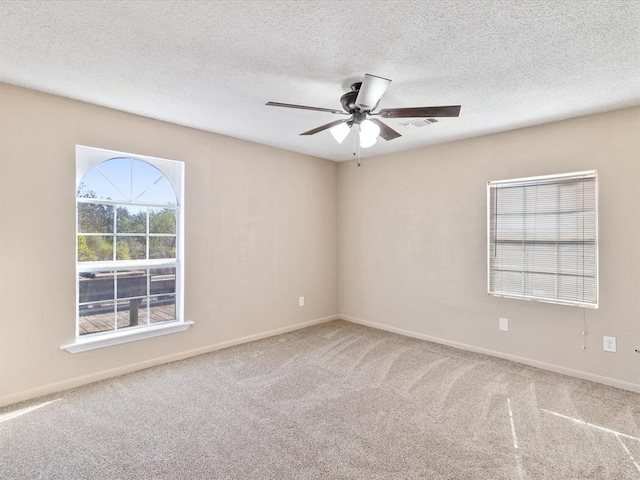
356 142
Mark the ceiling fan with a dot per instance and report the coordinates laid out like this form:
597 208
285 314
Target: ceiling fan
359 106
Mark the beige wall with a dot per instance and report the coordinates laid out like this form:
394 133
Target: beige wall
412 245
261 230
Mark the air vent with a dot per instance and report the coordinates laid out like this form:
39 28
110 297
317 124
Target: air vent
419 123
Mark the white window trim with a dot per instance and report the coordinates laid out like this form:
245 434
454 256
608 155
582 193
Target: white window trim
108 339
536 179
86 159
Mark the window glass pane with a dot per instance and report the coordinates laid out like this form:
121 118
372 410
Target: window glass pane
540 285
579 289
162 280
95 286
150 185
95 218
131 219
162 308
131 248
540 257
160 192
509 200
508 282
132 290
577 259
96 317
95 185
541 227
541 198
162 247
132 313
118 172
577 193
94 248
509 227
162 220
132 283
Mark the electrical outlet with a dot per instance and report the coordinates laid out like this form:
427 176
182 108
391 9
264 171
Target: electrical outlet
301 301
504 324
609 344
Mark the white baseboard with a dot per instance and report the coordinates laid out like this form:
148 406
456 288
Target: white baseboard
114 372
633 387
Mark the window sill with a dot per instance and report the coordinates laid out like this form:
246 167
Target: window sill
125 336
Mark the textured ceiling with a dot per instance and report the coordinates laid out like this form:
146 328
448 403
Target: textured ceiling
212 65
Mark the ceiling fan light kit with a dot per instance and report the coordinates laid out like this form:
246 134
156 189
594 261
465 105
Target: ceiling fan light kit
340 132
360 104
369 132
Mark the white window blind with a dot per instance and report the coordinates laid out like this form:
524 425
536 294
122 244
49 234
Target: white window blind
543 239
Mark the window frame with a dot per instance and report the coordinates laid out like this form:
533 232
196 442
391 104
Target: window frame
544 179
86 159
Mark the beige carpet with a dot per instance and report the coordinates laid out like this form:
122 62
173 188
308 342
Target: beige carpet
334 401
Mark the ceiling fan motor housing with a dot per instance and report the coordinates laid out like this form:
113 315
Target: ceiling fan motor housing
348 101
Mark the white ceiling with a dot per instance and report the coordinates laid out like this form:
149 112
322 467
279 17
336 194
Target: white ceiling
213 65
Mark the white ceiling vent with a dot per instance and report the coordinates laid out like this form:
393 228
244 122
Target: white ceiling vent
423 122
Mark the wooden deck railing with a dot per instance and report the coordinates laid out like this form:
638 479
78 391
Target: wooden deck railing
131 286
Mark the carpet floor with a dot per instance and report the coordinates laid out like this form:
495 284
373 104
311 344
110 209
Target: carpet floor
333 401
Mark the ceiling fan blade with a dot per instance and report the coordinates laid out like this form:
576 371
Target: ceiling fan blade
324 127
448 111
386 131
304 107
371 91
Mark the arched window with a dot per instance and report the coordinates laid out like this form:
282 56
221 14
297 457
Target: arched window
129 236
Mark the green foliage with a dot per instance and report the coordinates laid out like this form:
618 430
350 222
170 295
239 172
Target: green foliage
98 218
85 253
162 221
95 218
162 247
122 251
128 222
95 248
84 192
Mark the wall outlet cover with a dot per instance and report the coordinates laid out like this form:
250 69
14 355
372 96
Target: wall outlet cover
504 324
609 344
